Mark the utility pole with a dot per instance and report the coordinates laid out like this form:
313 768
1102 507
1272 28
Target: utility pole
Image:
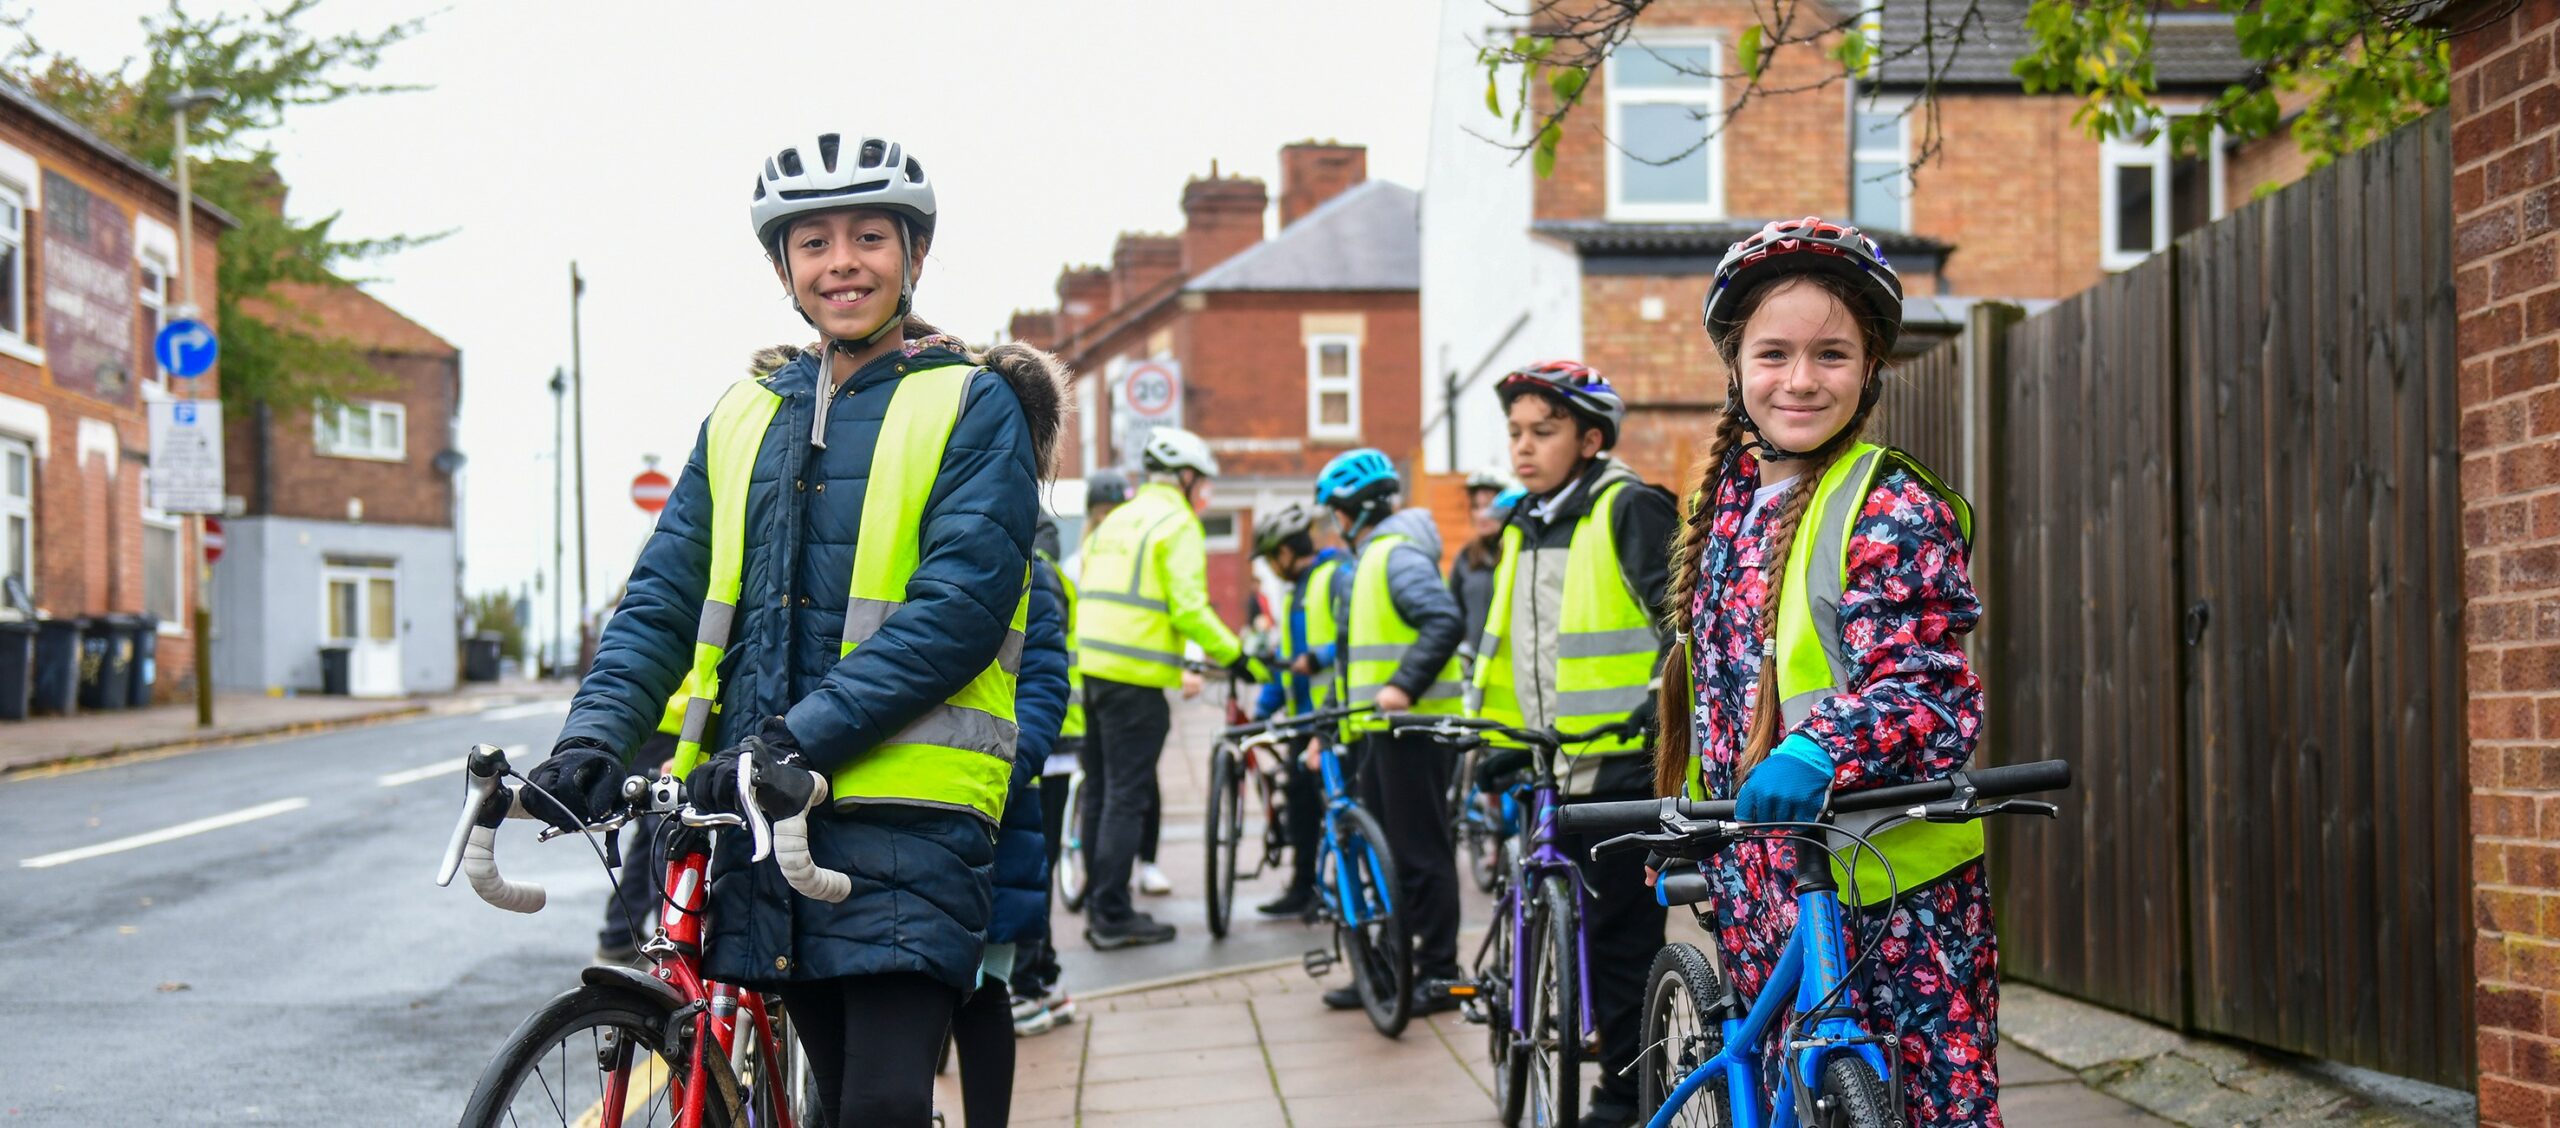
559 468
182 104
578 428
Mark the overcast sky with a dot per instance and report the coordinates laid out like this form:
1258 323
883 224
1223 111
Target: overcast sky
625 136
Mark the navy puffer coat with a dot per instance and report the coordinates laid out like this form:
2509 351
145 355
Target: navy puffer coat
921 876
1040 706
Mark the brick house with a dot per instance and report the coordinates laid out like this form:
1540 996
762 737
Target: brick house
345 534
1608 258
1290 349
88 254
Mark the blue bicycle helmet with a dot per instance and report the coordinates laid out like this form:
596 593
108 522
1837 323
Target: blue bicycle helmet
1506 501
1356 479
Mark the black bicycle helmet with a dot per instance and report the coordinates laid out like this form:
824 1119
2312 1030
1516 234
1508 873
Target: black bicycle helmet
1105 487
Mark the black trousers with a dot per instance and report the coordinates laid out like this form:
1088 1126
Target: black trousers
1623 928
1036 970
1405 784
1125 728
982 1040
1302 790
873 1042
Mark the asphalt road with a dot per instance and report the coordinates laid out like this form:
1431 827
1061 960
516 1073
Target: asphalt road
252 935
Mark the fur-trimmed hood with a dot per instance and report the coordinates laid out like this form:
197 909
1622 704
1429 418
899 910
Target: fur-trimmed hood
1039 381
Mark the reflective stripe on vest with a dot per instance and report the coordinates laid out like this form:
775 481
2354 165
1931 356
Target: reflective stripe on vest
1606 650
957 754
1124 624
1312 600
1376 640
1812 665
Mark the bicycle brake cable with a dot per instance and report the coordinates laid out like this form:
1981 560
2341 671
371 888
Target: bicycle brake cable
1893 901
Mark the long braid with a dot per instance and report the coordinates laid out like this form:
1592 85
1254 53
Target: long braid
1776 542
1673 747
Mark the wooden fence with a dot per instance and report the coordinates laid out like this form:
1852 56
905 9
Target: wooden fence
2219 547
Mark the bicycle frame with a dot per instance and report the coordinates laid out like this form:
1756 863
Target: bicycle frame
1545 858
1806 974
716 1006
1337 799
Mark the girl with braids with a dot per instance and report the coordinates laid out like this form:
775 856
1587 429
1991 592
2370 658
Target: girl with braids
1818 589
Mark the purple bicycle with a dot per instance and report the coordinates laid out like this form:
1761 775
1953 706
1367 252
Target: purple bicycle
1532 983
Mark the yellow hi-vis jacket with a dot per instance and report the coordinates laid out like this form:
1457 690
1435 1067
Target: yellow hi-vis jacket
1605 646
959 754
1813 664
1145 588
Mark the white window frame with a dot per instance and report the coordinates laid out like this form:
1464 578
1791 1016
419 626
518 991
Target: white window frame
153 306
19 506
2119 152
396 451
1900 155
1230 541
1318 384
18 343
169 522
1709 98
362 576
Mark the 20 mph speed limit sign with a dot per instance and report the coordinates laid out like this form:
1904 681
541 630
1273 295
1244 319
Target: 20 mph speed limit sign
1152 389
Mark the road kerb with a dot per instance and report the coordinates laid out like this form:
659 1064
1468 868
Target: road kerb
148 750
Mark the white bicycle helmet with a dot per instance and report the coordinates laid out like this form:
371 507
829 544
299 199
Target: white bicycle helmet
1172 448
830 173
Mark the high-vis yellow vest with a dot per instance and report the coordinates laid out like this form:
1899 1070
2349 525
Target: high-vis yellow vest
1375 640
958 754
1074 727
1606 650
1125 629
1312 600
1813 665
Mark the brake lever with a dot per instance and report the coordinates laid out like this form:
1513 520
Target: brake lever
1956 811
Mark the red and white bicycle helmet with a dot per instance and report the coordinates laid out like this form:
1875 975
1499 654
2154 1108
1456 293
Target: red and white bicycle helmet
1582 388
1802 246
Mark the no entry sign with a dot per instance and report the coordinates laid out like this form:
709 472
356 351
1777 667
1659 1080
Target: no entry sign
649 491
212 540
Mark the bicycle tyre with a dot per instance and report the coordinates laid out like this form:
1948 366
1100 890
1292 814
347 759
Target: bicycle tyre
1380 955
1502 1046
550 1034
1482 845
1225 837
1070 875
1681 1030
1554 1044
1852 1096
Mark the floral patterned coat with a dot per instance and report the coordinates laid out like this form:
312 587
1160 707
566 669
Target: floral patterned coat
1912 713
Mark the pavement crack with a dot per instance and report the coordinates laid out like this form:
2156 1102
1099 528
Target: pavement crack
1084 1058
1268 1068
1461 1058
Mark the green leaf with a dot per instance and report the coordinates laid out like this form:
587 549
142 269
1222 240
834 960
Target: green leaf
1749 49
1544 160
1493 96
1568 83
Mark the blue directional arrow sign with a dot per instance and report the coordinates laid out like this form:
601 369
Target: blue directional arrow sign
186 347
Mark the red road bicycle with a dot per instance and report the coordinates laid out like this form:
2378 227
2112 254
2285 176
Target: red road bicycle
630 1048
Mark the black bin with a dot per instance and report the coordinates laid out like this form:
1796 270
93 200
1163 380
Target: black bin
144 670
17 670
57 677
480 657
106 650
333 669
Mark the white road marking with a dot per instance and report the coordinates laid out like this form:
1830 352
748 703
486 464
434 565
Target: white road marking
520 712
442 767
171 834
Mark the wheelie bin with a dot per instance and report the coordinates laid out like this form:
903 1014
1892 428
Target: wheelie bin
57 677
106 650
17 669
144 670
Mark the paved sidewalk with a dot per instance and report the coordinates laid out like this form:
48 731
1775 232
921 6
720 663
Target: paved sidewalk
1256 1048
39 742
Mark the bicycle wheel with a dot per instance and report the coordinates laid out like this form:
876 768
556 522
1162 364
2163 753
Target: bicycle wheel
1070 875
1553 1042
1480 844
1381 957
1851 1096
1682 1029
560 1065
1225 838
1502 1042
785 1084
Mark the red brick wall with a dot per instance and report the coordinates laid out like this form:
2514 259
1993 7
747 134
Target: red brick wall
1245 367
88 557
311 485
2505 106
2015 190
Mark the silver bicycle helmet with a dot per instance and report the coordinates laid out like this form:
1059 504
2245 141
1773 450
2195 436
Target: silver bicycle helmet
832 172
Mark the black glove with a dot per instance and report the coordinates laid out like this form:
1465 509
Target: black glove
782 777
1646 720
580 782
1249 668
1496 766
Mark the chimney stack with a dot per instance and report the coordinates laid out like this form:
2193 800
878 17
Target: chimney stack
1036 328
1140 263
1084 295
1221 216
1312 172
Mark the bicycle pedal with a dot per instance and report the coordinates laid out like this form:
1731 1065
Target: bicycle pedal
1318 963
1450 989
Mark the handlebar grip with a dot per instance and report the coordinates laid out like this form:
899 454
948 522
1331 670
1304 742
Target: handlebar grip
791 853
1682 887
480 864
1624 816
2022 779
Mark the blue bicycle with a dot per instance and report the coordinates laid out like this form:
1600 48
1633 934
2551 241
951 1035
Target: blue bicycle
1355 876
1700 1063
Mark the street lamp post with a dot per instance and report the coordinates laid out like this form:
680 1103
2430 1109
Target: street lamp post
559 468
182 104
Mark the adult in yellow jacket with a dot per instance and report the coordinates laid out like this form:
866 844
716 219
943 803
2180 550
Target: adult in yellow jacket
1143 592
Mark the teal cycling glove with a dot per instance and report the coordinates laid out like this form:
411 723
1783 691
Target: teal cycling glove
1789 786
